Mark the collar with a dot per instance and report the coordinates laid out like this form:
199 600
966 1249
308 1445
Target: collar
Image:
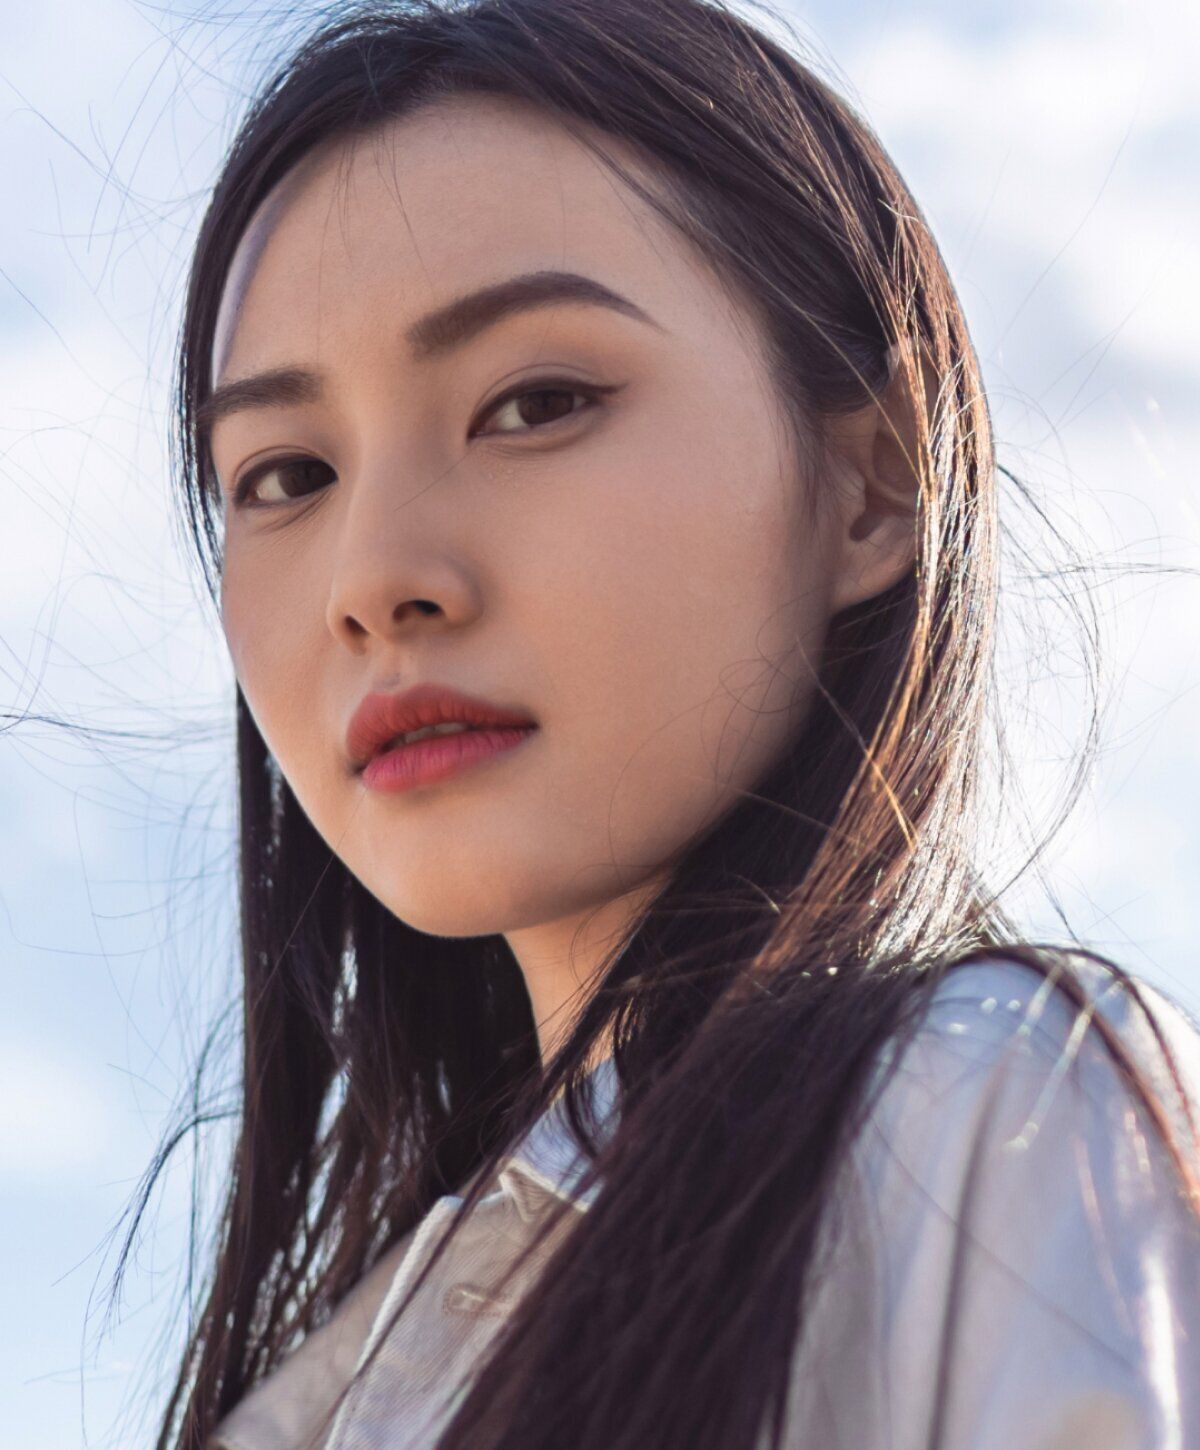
544 1167
548 1163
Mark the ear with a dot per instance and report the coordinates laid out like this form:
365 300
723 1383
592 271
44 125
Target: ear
874 458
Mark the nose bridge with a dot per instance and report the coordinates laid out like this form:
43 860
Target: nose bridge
398 554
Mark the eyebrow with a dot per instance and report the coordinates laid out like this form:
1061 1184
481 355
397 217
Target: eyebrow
433 335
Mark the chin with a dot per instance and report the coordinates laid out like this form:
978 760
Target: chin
447 921
465 910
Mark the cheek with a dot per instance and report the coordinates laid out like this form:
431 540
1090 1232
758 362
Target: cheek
708 555
247 629
270 649
683 605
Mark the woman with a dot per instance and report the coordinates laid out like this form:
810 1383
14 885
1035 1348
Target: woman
576 380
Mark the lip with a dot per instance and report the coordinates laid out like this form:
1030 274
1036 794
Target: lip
380 718
439 757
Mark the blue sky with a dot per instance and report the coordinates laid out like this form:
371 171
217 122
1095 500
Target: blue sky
1054 147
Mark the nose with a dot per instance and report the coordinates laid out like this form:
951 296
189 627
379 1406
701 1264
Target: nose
400 567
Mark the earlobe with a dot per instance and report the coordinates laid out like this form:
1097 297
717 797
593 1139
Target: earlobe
876 450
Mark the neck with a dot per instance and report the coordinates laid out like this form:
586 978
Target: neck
562 961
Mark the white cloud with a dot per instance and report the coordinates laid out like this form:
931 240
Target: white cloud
1068 144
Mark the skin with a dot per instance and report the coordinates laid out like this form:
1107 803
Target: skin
641 574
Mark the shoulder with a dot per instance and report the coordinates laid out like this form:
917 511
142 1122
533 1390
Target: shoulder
1007 1086
994 1031
1012 1257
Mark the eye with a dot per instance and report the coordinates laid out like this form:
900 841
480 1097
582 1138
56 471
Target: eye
537 405
530 407
290 478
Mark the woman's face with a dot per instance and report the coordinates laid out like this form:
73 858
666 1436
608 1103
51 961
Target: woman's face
623 553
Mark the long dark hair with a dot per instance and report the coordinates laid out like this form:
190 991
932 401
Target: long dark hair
383 1067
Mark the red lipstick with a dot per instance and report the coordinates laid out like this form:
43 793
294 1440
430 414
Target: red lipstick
388 763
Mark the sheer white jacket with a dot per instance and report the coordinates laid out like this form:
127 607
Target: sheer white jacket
1076 1323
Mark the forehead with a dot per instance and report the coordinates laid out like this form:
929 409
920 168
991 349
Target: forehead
466 191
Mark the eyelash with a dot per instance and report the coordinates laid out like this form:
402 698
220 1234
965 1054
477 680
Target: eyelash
591 392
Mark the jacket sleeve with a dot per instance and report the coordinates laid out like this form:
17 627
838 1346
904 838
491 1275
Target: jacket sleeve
1013 1261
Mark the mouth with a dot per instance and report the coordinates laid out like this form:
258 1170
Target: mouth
431 755
410 737
430 719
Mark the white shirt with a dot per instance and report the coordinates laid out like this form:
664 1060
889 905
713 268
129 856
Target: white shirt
1078 1312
